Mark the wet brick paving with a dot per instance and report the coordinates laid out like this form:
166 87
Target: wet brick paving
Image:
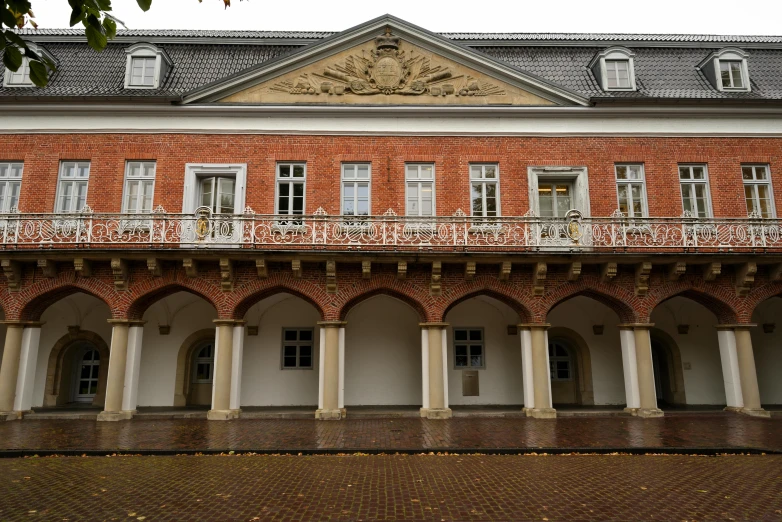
393 487
716 431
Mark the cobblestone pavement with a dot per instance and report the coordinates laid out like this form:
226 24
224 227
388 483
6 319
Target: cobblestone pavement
716 431
394 487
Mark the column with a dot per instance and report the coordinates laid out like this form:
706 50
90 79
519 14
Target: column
132 368
118 365
331 383
223 371
630 367
28 361
726 338
534 342
747 372
9 369
434 368
236 366
647 394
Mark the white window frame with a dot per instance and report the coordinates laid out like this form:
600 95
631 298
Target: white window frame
21 78
298 344
692 181
203 360
7 181
600 67
754 183
711 68
290 180
579 176
354 181
419 180
146 50
195 171
628 183
485 181
140 181
469 342
61 180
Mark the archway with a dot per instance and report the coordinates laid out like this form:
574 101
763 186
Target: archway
767 349
195 369
64 369
570 366
668 376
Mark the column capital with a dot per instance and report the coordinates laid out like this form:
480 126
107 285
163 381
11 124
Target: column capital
434 325
635 326
534 326
126 322
23 324
229 322
742 326
332 324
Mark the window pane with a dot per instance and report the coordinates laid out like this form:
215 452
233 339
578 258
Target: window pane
290 335
289 362
305 351
746 173
684 173
289 351
477 199
298 171
412 171
305 335
285 171
621 172
461 361
460 335
427 171
476 171
475 335
305 362
698 173
735 69
490 172
460 349
476 361
363 172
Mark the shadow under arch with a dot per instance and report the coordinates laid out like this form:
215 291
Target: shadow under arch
33 309
184 364
54 395
413 303
584 389
622 309
524 314
141 303
248 301
673 390
723 311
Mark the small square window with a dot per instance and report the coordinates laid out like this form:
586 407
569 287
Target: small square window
297 348
468 348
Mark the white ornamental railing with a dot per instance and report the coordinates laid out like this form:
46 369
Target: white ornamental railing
320 231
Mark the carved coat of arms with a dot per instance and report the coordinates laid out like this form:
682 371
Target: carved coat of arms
387 69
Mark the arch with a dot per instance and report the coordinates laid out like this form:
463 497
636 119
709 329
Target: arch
719 305
585 394
675 393
618 302
760 294
53 394
253 295
142 302
42 298
184 361
412 302
523 312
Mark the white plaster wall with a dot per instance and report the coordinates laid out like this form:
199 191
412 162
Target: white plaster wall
186 314
768 350
382 354
264 383
80 309
703 383
501 382
580 314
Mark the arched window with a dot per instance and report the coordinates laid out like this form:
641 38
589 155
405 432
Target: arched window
87 370
560 363
203 363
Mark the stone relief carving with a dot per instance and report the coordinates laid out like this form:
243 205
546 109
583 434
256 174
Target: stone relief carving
387 69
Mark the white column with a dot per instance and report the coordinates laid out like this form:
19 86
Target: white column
236 366
28 360
341 396
525 335
321 367
132 368
630 366
726 338
445 369
425 367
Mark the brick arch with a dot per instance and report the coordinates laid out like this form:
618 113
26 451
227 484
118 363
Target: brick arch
256 291
614 297
390 292
490 287
141 302
720 301
760 295
33 300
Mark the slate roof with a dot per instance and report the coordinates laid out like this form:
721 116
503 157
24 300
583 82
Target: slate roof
667 72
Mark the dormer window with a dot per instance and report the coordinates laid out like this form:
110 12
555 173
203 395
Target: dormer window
21 77
614 69
147 66
727 70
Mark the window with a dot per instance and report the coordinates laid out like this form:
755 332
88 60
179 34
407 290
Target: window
21 77
484 190
555 198
694 183
419 179
146 67
731 75
88 369
614 69
203 363
618 74
72 188
468 348
291 179
297 348
355 189
727 70
214 194
757 190
559 363
555 190
139 187
10 185
630 190
218 193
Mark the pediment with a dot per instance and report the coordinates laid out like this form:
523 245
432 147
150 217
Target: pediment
386 62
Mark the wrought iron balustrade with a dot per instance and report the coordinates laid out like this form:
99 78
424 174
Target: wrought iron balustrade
319 231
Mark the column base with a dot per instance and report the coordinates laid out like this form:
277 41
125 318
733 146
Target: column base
436 413
10 415
222 415
113 416
337 414
733 409
541 413
631 411
755 412
649 413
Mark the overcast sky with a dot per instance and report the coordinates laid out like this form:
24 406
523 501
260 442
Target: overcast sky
755 17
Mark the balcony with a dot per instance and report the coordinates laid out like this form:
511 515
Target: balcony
388 232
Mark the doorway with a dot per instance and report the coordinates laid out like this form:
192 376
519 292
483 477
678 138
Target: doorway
86 369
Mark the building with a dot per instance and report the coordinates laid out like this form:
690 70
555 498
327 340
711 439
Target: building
388 216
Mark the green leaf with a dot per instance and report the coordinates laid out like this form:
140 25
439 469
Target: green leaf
38 73
12 58
14 38
105 5
31 54
6 17
93 21
76 16
96 39
144 4
110 27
